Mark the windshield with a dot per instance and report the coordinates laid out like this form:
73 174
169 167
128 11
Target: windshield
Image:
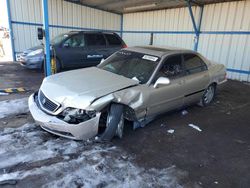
132 65
58 39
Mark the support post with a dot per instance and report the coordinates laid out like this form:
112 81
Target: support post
47 39
11 30
121 28
197 27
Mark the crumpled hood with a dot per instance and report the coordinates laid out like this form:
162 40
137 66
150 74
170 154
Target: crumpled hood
79 88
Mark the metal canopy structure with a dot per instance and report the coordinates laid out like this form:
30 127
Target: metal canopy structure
129 6
121 7
47 37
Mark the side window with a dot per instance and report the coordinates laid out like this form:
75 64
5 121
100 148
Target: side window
75 41
95 40
172 68
113 39
193 63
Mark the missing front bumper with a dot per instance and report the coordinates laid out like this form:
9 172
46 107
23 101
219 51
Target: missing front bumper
52 124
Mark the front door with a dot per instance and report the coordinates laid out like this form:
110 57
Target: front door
167 97
72 51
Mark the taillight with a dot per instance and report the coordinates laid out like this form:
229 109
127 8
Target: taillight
124 46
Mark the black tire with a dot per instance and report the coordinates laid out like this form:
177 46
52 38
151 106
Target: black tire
114 117
208 95
42 67
58 65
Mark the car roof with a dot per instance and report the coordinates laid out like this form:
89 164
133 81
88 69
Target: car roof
158 50
91 32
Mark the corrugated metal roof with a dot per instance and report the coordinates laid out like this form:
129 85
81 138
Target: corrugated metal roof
128 6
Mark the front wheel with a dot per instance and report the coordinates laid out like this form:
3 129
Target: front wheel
114 123
208 95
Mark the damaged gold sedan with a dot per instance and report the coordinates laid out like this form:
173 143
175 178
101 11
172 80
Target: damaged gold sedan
136 84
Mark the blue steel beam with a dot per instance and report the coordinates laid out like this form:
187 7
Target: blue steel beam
192 17
197 27
47 39
121 28
11 31
196 44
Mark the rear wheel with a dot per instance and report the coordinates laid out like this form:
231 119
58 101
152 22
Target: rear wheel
208 95
114 123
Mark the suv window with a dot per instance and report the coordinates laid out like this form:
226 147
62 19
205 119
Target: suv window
75 41
172 68
193 63
95 40
113 39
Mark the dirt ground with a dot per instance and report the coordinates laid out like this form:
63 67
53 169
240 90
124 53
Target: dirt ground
218 156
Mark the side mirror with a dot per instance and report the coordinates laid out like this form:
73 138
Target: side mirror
102 60
161 81
40 33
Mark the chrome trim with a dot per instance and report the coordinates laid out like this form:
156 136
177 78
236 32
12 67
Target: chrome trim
222 82
44 109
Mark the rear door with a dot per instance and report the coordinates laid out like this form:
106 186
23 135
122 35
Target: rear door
71 52
196 79
114 43
96 46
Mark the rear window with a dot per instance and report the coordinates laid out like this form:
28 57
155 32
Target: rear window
194 64
95 40
113 39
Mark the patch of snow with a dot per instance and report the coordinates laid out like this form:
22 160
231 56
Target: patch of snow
29 152
184 112
162 125
1 93
195 127
13 107
171 131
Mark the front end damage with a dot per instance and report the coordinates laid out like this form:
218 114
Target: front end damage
84 122
70 123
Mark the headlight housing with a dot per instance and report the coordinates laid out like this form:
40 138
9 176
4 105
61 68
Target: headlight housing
75 116
36 52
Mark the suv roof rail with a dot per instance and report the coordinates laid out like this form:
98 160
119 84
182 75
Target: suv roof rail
92 31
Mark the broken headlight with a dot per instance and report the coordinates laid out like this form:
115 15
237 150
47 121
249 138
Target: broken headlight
75 116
